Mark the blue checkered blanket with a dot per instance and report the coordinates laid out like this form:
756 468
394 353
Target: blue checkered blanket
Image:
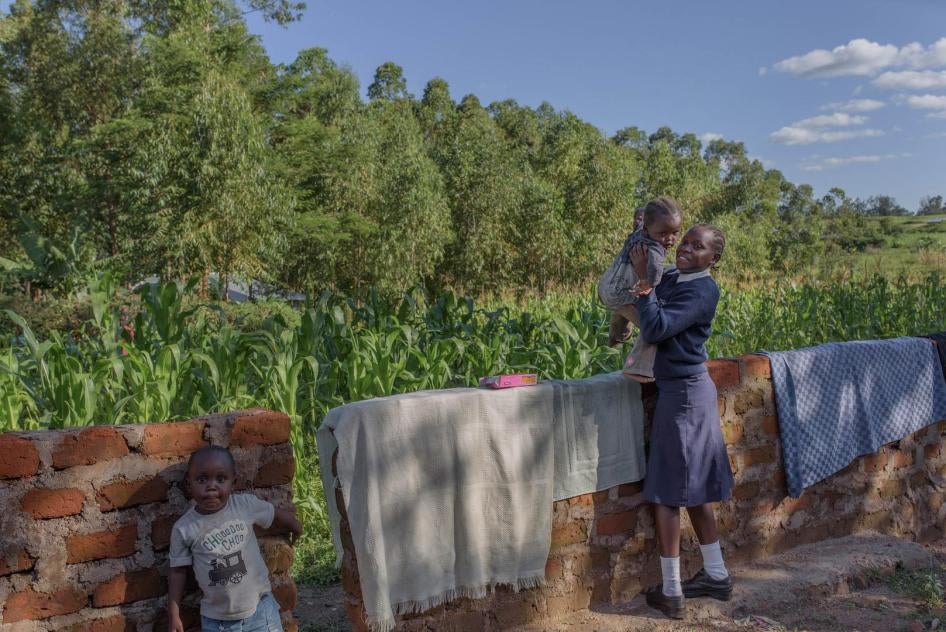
841 400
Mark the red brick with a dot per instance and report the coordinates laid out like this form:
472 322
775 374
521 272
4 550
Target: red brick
875 462
275 473
114 623
724 372
52 503
260 427
554 569
763 454
569 533
27 605
178 438
89 446
284 590
351 581
18 457
756 366
277 554
745 491
769 425
893 489
616 524
117 542
161 531
584 499
902 458
124 493
15 563
356 616
128 588
732 432
932 452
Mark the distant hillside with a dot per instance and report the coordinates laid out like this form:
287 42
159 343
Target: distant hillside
913 243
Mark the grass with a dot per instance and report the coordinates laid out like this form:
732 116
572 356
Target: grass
924 585
912 244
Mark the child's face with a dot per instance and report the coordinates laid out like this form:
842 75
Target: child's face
210 481
665 229
696 251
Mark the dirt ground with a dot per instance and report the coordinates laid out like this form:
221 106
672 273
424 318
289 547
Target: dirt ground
865 582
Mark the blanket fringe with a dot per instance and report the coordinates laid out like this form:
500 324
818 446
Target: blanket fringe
470 592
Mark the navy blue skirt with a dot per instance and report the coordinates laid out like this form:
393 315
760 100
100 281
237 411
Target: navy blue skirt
687 464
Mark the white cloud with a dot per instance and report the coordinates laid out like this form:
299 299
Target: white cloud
915 56
937 115
936 135
911 80
838 119
805 136
841 161
709 137
926 101
763 71
864 58
857 57
854 105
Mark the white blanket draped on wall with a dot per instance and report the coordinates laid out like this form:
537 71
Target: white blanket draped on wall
449 493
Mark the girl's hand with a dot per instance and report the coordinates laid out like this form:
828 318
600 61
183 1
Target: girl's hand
639 260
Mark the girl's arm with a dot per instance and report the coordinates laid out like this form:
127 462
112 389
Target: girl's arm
287 519
660 322
177 577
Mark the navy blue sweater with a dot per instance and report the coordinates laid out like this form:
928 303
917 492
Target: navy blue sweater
677 317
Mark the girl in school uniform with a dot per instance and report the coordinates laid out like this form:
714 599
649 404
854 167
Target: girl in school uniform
687 465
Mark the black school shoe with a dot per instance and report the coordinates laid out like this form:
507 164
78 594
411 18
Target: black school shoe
702 585
673 607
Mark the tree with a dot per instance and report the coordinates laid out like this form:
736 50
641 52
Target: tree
931 205
884 205
483 185
389 83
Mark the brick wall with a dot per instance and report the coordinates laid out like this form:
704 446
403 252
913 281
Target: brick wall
87 514
604 548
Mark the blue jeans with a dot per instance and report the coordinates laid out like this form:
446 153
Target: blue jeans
265 619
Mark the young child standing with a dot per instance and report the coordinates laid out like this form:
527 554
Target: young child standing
620 287
216 537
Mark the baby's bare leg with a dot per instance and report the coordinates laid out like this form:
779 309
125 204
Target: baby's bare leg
620 329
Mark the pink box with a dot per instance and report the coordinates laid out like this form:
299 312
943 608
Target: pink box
509 380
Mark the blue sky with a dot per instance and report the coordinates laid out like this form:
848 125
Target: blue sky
839 93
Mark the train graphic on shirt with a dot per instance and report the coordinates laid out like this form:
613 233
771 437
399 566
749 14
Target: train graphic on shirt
227 569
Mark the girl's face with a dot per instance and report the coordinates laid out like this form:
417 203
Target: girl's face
697 251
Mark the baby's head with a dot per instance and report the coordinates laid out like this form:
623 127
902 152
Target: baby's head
209 478
701 248
663 219
638 217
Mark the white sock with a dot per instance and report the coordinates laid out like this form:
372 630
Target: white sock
670 570
713 560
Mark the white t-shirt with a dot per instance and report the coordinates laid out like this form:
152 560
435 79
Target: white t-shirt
223 550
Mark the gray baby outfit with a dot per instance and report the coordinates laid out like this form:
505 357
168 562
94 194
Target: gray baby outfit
617 284
223 550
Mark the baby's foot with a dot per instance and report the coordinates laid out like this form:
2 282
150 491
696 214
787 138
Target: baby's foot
637 377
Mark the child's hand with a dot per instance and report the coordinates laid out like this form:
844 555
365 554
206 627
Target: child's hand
174 623
288 519
638 258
